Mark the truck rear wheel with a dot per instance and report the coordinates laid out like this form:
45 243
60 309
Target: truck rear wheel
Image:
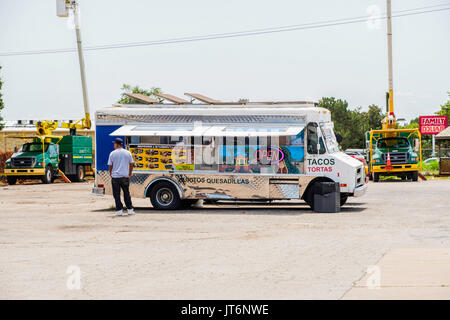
11 180
376 177
79 177
164 196
48 177
415 176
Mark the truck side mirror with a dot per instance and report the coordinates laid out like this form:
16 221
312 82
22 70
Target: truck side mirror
339 137
416 145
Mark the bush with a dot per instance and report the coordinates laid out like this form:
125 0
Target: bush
430 168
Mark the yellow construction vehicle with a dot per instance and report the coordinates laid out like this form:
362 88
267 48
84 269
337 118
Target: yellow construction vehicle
391 150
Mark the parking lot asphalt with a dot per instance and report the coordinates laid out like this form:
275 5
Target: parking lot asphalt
53 235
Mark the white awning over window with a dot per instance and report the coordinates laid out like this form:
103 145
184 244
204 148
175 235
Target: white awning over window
160 130
209 130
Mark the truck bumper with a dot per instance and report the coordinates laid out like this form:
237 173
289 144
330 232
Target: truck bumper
24 172
397 168
98 191
360 191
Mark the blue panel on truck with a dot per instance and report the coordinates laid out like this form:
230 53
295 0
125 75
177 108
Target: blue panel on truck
104 145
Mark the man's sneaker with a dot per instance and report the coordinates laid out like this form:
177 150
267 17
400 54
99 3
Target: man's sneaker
130 211
119 213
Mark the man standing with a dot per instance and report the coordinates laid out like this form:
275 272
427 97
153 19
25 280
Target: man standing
120 164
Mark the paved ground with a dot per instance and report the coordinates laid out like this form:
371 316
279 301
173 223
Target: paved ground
406 273
284 251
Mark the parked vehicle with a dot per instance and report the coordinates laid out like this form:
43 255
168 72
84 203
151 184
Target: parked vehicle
226 151
392 153
47 159
431 160
360 157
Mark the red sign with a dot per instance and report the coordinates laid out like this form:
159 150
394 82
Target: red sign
432 124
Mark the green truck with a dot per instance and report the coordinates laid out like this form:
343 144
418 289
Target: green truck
47 158
393 152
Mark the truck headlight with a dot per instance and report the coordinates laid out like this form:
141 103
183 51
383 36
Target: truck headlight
376 160
414 159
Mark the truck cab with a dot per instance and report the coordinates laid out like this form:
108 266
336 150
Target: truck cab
34 159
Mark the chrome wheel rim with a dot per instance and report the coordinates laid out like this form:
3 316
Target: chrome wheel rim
164 196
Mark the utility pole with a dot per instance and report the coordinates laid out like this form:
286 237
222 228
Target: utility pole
389 122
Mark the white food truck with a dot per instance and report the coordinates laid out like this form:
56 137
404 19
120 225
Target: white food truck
225 151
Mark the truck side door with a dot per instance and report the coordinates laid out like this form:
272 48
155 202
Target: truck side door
53 154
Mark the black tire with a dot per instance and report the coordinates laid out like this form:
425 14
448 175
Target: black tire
376 177
309 197
81 173
164 196
343 199
48 177
11 180
415 176
403 177
370 177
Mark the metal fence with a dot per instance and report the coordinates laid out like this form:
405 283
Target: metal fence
426 153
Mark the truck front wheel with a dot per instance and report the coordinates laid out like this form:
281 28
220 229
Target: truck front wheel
343 199
48 177
415 176
11 180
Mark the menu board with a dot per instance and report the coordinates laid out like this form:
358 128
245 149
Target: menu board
162 157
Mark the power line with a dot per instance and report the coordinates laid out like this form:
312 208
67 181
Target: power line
253 32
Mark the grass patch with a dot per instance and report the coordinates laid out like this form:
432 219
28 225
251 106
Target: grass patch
430 169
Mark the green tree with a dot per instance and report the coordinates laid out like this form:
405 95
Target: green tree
374 117
352 124
2 105
126 88
348 123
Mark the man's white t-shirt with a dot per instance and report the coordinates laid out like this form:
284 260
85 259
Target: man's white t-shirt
120 160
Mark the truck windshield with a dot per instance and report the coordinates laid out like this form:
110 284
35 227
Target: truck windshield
330 138
34 147
393 143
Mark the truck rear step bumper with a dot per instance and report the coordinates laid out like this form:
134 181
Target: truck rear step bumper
24 172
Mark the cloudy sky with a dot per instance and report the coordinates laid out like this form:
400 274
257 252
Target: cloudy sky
347 61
